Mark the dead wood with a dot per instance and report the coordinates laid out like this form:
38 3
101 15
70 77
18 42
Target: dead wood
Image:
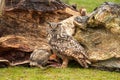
23 27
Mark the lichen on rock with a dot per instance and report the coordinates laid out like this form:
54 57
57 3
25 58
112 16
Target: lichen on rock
101 34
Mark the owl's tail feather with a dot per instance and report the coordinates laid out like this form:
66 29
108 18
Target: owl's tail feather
88 62
84 62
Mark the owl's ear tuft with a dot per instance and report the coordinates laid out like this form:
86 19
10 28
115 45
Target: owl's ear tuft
49 24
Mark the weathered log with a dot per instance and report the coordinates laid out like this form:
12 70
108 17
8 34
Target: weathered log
14 50
14 42
26 21
39 6
2 5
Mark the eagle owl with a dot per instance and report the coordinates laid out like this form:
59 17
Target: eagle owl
65 46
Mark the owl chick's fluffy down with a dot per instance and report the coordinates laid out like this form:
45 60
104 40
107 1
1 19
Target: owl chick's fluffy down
39 58
43 57
66 47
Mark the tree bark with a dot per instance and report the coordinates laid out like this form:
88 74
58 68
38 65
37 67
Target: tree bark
2 6
25 21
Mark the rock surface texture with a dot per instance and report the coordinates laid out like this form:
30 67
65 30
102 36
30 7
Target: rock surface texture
99 32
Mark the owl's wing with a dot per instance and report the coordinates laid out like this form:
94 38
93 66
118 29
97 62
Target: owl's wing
82 60
73 44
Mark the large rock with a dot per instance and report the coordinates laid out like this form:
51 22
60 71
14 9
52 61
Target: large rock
99 33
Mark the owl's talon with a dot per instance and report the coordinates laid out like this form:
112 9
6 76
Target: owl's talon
63 66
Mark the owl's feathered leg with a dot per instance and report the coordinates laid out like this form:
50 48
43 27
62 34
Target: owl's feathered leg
65 62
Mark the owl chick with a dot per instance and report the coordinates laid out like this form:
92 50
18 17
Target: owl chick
39 58
66 47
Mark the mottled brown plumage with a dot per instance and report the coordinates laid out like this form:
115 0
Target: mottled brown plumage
66 47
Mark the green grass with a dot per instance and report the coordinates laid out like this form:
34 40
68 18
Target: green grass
25 73
90 5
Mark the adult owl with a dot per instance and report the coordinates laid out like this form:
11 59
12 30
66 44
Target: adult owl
65 46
